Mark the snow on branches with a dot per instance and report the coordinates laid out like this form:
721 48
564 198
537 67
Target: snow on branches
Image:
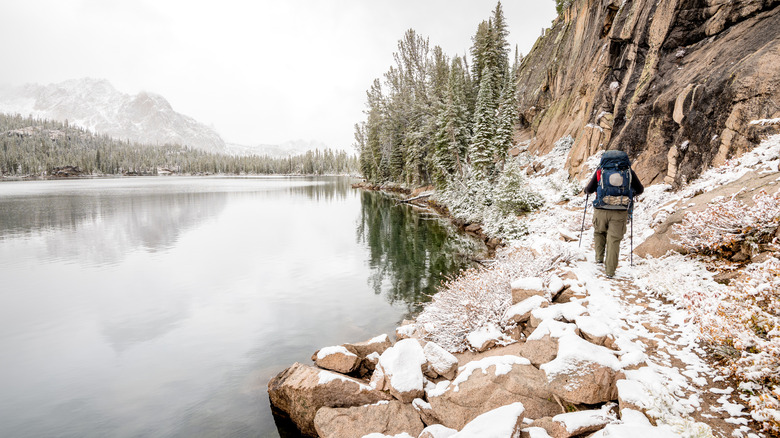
728 225
478 297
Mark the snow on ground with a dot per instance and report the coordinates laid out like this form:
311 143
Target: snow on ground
657 337
657 340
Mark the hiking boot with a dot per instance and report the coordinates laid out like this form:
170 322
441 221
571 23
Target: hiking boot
610 275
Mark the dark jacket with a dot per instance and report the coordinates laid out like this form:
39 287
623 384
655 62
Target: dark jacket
636 185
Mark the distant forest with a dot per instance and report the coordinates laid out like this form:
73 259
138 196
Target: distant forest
36 147
436 119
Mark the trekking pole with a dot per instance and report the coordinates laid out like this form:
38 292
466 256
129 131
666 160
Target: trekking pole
631 219
582 228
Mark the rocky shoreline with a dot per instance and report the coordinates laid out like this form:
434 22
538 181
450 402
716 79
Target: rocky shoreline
559 367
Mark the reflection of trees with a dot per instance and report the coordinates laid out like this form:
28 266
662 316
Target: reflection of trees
409 255
322 188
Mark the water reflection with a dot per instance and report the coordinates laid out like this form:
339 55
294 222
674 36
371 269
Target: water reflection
163 306
408 258
103 229
324 188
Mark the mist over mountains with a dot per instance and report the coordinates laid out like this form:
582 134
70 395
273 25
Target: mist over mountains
145 117
96 105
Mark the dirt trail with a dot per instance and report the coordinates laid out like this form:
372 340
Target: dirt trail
668 342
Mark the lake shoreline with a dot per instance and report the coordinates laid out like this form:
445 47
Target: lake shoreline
421 198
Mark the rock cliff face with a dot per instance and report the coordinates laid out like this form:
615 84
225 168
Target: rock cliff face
675 83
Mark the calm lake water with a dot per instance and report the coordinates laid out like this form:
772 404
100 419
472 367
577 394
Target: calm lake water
161 307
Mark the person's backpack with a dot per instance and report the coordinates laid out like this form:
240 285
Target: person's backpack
614 182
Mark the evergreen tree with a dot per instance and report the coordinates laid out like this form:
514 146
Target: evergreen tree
453 134
499 46
507 116
481 151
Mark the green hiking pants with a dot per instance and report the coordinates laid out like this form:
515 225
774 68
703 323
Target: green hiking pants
609 226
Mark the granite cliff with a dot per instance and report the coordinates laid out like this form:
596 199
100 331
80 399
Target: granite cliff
675 83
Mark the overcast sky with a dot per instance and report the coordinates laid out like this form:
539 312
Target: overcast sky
260 72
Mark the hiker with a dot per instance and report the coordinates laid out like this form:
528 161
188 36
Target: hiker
615 185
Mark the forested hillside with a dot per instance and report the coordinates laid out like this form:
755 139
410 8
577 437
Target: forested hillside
37 147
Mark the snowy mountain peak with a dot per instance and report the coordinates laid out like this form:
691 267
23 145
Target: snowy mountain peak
96 105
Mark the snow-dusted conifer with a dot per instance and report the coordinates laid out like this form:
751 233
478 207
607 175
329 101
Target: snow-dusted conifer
481 152
452 136
507 115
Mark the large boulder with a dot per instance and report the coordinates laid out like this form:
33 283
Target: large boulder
336 358
489 383
539 351
400 370
440 361
583 372
389 418
374 345
501 422
301 390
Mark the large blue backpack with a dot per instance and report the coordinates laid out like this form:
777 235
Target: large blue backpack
614 187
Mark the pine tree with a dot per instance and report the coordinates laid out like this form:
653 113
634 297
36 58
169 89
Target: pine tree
481 150
499 47
507 115
452 136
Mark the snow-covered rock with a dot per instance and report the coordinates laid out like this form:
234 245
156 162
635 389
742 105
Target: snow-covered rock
555 285
594 330
502 422
583 372
377 344
526 287
440 361
490 383
425 410
384 417
521 312
566 312
437 431
632 395
582 422
485 337
401 367
405 332
301 390
535 432
336 358
634 430
553 328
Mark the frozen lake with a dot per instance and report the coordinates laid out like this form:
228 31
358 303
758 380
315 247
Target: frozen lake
162 306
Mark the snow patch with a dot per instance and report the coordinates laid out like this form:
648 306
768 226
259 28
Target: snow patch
502 364
401 363
337 349
573 352
498 423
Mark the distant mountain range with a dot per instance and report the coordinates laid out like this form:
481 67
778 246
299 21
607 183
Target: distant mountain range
96 105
